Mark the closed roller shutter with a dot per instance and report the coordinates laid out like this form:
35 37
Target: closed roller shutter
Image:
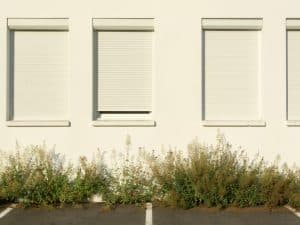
293 51
40 75
231 58
124 71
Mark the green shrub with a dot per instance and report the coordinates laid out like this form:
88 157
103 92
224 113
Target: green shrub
294 189
211 176
294 200
132 183
218 176
91 178
132 186
39 176
172 181
35 176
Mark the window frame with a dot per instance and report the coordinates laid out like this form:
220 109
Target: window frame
118 118
234 24
292 24
29 24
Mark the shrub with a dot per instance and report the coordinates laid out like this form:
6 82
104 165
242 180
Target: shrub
172 182
294 200
91 178
294 189
218 176
39 176
35 176
211 176
132 186
132 182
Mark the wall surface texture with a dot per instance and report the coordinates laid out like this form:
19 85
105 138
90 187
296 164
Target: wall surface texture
177 76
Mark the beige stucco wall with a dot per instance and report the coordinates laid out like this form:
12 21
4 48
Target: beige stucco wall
177 89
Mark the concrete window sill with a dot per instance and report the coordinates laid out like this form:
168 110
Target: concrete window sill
38 123
233 123
293 123
124 123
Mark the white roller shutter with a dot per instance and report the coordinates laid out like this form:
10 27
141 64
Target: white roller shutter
293 74
40 74
231 74
124 68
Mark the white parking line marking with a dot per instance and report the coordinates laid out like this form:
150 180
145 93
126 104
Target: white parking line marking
5 212
293 210
148 214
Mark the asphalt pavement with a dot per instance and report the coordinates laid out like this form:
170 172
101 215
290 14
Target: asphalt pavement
132 215
231 216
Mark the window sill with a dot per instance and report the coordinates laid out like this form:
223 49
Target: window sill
124 123
293 123
233 123
38 123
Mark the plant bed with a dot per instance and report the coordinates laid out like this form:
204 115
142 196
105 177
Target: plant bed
206 176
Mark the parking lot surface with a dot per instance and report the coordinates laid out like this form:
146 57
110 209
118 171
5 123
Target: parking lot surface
131 215
232 216
75 216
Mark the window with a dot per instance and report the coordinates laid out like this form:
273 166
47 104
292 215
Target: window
293 72
38 72
231 56
123 72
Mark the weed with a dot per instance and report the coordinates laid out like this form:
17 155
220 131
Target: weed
218 176
211 176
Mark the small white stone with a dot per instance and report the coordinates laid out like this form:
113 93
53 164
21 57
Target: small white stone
96 199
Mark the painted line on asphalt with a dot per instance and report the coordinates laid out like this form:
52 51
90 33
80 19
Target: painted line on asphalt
5 212
293 210
148 220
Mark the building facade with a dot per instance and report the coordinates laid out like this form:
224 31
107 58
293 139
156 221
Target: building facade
82 75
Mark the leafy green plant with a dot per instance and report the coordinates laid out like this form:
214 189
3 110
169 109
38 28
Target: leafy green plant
132 182
91 178
211 176
132 187
294 200
218 176
35 176
40 176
